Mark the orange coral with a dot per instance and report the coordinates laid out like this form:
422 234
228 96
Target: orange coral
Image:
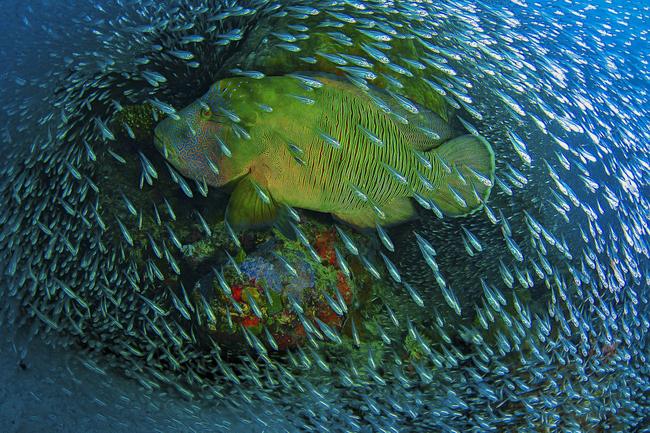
286 341
328 316
299 330
324 246
250 321
344 287
236 292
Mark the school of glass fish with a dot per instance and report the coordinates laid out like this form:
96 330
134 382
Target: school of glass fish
529 315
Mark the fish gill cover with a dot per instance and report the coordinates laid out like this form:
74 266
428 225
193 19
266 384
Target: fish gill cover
526 311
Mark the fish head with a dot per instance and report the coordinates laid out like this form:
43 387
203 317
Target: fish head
194 141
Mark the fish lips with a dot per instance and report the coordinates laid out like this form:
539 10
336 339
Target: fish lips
161 143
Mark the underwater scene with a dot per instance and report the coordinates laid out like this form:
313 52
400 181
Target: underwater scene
324 216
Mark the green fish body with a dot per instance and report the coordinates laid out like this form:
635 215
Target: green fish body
320 143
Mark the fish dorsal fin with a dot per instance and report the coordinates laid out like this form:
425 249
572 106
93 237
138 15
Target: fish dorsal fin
426 130
250 206
422 130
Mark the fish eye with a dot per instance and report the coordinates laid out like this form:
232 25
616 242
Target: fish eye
206 112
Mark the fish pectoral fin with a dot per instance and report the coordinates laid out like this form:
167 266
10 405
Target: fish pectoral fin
251 206
396 211
283 224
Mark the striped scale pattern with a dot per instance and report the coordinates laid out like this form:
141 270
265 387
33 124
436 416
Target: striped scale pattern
327 180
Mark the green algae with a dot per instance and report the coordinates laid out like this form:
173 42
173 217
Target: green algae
262 53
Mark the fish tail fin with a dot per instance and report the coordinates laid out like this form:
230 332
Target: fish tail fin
467 167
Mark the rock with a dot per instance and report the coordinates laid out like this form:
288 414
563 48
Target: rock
268 284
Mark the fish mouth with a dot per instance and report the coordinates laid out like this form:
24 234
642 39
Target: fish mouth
159 142
156 136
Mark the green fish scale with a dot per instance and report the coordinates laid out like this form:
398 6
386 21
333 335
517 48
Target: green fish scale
358 161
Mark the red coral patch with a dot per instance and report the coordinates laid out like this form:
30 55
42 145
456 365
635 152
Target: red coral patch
236 292
324 246
328 316
344 287
250 321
